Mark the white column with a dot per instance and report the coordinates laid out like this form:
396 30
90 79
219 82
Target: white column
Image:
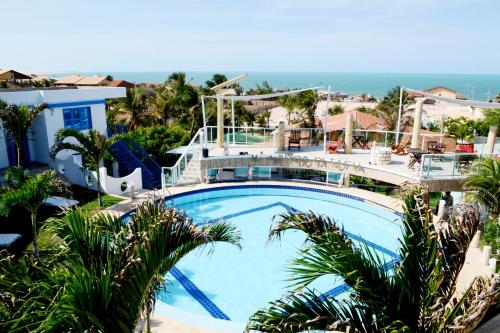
233 120
417 123
204 118
492 136
280 137
220 122
348 134
399 113
326 119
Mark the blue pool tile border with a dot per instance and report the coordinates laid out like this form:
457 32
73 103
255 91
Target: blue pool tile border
198 295
273 186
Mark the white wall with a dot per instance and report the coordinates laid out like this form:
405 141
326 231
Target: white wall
71 168
4 158
45 126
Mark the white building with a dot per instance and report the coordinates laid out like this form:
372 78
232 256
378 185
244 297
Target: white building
75 107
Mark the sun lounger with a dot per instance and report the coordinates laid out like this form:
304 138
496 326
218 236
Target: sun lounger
241 173
60 202
225 174
403 147
7 240
211 174
261 172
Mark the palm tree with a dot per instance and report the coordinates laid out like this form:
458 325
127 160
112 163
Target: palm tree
133 110
485 182
16 122
416 295
182 99
109 270
29 192
307 101
289 103
336 109
216 80
388 107
264 88
92 145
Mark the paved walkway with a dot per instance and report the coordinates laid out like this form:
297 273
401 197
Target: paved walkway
471 269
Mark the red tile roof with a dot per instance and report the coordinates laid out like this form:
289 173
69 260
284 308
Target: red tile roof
121 83
362 120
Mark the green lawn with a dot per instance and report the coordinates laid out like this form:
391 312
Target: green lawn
93 206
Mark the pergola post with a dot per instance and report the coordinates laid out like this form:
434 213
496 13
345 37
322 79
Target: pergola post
348 134
280 137
233 121
326 120
400 110
417 122
220 122
203 111
492 135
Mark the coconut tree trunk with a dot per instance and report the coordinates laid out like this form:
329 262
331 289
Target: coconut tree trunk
19 152
147 329
35 238
99 187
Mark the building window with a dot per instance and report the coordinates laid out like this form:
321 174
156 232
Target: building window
77 118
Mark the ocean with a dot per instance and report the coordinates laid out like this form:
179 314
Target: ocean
472 86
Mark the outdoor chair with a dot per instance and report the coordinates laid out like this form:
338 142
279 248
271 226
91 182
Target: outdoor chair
211 174
464 162
241 173
6 240
466 148
261 172
332 147
402 147
294 140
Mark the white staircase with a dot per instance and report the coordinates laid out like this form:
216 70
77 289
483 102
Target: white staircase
191 174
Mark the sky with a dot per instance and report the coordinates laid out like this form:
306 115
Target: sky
387 36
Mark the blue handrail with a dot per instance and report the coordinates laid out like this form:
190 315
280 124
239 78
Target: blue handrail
130 156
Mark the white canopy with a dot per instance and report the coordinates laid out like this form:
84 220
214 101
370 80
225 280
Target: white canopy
479 104
265 96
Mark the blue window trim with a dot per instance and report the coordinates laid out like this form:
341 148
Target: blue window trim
84 110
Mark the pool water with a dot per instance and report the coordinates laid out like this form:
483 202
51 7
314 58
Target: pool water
231 283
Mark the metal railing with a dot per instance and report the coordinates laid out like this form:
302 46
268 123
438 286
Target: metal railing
451 165
244 136
171 175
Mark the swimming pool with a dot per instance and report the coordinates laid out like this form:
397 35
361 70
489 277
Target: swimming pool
232 283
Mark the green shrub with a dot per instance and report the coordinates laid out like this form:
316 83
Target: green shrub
158 140
491 235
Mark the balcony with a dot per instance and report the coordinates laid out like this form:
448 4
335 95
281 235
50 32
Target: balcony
258 147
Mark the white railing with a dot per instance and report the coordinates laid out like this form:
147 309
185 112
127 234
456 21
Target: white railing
171 175
242 136
450 165
387 138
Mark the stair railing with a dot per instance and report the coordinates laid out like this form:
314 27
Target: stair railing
170 176
132 159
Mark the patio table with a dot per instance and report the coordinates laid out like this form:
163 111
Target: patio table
360 140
